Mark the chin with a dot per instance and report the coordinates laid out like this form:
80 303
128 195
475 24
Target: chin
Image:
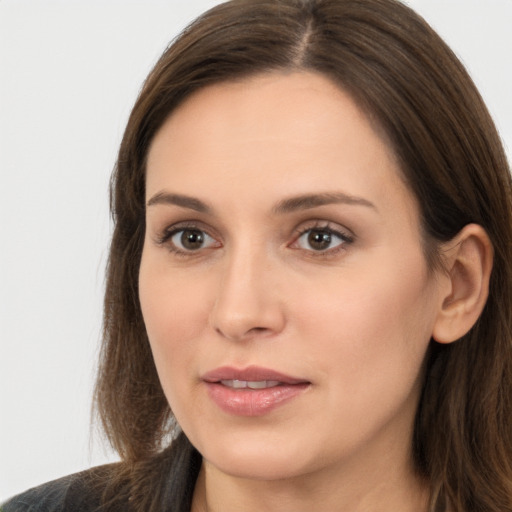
262 458
260 467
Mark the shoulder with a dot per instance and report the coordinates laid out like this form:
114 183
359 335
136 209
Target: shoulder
80 492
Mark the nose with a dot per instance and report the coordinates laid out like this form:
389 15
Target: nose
248 302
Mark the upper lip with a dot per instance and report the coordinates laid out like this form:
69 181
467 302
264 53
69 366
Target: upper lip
250 374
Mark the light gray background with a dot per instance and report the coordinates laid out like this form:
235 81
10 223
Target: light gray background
69 73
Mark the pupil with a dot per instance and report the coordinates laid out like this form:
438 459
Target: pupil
192 239
319 240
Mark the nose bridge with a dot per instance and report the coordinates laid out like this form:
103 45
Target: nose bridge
247 301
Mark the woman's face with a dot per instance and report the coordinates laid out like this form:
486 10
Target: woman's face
283 283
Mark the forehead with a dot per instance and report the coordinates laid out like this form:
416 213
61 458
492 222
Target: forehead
267 101
269 135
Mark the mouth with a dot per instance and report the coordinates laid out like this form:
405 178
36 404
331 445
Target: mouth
254 384
252 391
251 375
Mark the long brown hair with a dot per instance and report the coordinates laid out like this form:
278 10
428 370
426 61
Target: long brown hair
415 89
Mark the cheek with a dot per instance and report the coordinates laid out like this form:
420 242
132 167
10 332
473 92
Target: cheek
371 327
366 341
171 311
174 309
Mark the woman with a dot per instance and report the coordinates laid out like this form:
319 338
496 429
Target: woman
309 268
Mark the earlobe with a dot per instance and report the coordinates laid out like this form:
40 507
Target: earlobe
468 263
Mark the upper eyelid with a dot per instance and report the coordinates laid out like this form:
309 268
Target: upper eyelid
344 239
324 224
164 239
170 229
176 231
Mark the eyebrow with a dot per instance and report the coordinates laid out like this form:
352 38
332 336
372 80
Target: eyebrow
179 200
307 201
292 204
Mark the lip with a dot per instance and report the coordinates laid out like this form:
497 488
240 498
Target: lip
252 402
251 373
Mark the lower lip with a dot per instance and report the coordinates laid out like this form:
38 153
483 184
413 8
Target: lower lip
253 402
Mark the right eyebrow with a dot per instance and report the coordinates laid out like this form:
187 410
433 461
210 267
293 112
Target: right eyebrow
307 201
179 200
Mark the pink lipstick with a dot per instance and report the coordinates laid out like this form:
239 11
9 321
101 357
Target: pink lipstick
252 391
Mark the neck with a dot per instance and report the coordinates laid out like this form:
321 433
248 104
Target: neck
375 475
380 487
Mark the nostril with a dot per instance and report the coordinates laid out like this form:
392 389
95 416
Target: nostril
253 332
238 317
257 332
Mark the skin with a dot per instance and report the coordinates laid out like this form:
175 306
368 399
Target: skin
354 319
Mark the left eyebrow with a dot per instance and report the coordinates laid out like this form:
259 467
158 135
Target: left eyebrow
307 201
179 200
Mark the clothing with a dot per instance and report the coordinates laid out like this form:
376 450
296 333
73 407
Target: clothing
166 481
73 493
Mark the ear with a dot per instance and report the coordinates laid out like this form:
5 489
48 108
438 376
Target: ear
467 261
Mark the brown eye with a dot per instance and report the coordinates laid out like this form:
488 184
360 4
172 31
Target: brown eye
321 240
192 239
189 240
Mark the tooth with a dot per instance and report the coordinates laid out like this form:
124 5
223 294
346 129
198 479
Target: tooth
258 384
262 384
243 384
236 384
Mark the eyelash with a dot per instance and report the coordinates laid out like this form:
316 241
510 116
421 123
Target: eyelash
169 233
319 226
328 229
